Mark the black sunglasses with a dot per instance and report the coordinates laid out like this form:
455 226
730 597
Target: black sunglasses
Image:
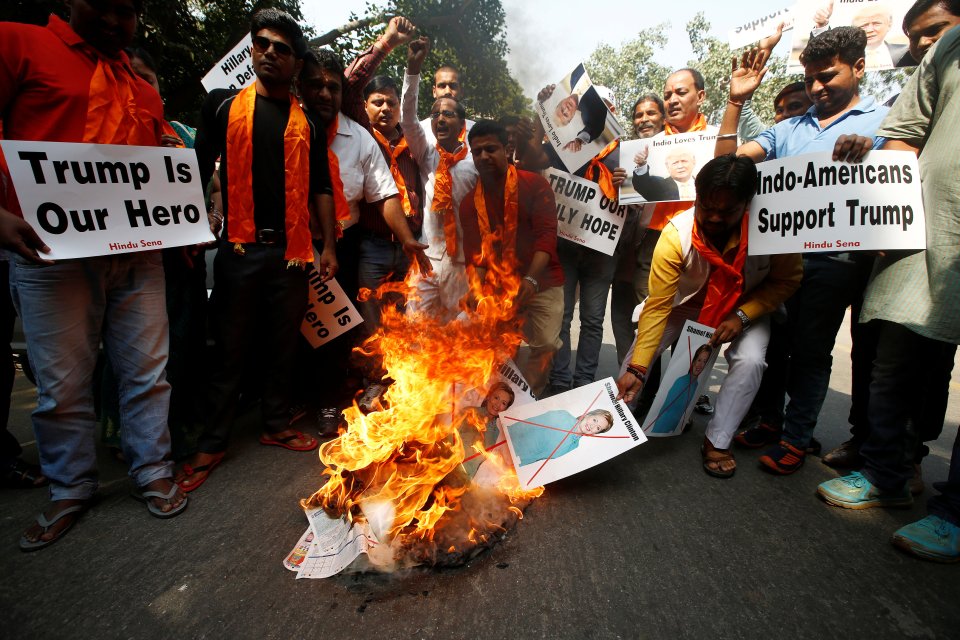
262 45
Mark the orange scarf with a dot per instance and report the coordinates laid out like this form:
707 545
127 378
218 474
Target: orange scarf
296 151
443 192
725 284
112 113
664 211
698 125
511 208
394 153
340 206
605 177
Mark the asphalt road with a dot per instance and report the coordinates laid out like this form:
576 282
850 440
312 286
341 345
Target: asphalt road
645 546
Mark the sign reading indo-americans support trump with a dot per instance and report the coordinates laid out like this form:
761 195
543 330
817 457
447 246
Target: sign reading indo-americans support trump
810 203
88 200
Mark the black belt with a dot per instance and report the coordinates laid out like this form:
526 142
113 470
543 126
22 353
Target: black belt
270 237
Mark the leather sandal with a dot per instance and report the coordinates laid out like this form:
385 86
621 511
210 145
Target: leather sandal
713 456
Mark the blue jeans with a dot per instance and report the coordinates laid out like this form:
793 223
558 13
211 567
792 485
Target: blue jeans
381 260
593 272
815 312
67 309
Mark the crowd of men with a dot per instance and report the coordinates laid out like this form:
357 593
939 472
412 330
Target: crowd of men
317 162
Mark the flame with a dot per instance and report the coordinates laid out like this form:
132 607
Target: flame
408 454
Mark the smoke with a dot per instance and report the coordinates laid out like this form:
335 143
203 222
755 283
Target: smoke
530 46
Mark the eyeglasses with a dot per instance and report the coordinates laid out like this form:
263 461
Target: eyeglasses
446 113
262 45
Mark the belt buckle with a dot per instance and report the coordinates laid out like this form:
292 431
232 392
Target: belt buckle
267 236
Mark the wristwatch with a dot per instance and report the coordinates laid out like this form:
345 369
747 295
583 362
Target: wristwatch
744 318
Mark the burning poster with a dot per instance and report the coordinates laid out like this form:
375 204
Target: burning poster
577 122
685 378
887 46
664 168
568 433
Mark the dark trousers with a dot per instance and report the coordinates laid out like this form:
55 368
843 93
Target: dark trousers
898 381
947 504
257 309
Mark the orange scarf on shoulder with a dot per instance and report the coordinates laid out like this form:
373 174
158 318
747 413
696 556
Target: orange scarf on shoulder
604 175
340 205
725 283
112 113
511 209
394 153
443 192
664 211
296 151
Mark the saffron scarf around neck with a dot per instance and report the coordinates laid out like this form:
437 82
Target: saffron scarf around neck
296 151
698 125
341 207
604 177
395 153
443 191
112 113
725 283
511 209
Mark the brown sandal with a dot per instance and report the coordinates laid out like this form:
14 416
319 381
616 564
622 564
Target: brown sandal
713 456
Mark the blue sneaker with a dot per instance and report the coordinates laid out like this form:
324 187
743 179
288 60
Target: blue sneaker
932 538
856 492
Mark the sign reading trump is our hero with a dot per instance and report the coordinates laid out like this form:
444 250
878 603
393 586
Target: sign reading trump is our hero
810 203
88 200
584 214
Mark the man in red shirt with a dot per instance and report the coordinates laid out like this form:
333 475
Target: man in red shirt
519 206
71 82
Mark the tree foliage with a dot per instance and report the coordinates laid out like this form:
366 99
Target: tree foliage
469 34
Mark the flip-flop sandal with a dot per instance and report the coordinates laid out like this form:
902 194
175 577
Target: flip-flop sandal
157 512
28 545
205 469
285 442
723 455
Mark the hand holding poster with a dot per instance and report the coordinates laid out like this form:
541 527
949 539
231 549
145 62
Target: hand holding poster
330 313
568 433
88 200
758 28
684 380
811 203
577 122
663 168
233 71
584 214
887 46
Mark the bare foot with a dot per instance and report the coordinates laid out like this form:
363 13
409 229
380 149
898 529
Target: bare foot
163 486
37 533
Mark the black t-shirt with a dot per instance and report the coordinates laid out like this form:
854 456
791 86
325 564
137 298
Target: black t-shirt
269 123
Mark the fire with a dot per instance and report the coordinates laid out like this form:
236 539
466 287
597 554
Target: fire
401 466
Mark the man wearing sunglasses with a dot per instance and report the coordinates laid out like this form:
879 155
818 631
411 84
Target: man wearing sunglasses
276 197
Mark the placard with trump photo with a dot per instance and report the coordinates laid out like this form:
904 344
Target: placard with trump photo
664 168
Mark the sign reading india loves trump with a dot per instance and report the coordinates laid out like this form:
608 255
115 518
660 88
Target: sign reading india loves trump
88 200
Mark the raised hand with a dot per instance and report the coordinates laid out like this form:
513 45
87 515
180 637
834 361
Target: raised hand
417 52
399 31
745 78
821 17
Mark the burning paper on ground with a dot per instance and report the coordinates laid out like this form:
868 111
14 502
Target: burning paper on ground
398 474
329 545
570 432
686 377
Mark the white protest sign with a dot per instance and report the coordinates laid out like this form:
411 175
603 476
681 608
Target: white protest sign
567 433
887 45
685 379
584 214
663 168
234 71
758 28
811 203
577 122
330 313
88 200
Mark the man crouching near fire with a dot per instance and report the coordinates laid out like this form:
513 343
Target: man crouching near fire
701 271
